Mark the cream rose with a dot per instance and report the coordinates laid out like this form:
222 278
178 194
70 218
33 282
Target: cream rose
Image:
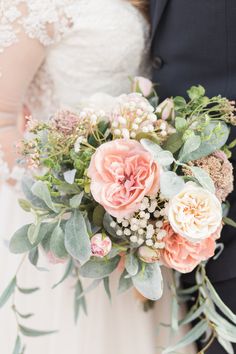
194 213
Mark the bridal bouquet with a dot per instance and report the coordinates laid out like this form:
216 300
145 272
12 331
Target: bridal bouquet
138 189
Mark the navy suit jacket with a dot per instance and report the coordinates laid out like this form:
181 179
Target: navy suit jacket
194 42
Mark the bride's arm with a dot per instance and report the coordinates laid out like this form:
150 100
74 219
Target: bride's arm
18 64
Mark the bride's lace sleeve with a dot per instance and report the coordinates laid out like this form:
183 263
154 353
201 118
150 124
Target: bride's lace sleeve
45 20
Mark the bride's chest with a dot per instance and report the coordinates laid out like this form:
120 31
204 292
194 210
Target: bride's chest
107 34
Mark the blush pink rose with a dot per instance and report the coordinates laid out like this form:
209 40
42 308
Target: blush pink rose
183 255
122 172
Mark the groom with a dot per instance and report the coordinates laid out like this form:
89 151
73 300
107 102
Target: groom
193 42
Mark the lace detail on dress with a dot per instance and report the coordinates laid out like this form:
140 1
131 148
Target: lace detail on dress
47 21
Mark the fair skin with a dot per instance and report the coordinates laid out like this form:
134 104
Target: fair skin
14 81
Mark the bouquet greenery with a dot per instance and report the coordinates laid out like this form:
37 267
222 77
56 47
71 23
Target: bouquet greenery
139 188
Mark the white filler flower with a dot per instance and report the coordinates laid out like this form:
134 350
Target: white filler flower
194 213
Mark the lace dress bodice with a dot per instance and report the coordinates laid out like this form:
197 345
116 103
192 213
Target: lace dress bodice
91 49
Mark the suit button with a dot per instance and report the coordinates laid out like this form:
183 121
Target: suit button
157 63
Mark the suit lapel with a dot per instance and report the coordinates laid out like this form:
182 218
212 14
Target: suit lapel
156 7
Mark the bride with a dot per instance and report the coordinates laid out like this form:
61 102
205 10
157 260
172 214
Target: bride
69 54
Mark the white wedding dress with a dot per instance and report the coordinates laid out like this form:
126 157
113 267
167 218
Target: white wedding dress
75 53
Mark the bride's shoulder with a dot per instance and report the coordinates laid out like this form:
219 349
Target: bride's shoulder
45 20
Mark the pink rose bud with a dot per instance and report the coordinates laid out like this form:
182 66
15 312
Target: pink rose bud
165 110
100 245
148 255
142 85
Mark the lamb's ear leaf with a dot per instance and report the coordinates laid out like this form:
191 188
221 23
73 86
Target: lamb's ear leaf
98 269
40 190
149 281
125 283
170 184
57 242
131 264
77 242
20 243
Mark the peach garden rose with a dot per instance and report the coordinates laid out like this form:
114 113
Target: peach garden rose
122 172
183 255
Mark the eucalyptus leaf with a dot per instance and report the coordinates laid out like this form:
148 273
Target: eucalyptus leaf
229 221
98 269
194 334
28 290
106 283
69 176
19 242
149 282
77 242
192 144
211 144
196 92
8 292
170 184
75 201
40 190
193 314
220 304
79 301
174 314
25 316
173 143
17 346
180 123
90 288
25 205
203 178
224 327
124 282
57 244
33 232
151 147
29 332
164 157
26 184
179 103
98 215
226 345
68 271
34 256
131 264
107 225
